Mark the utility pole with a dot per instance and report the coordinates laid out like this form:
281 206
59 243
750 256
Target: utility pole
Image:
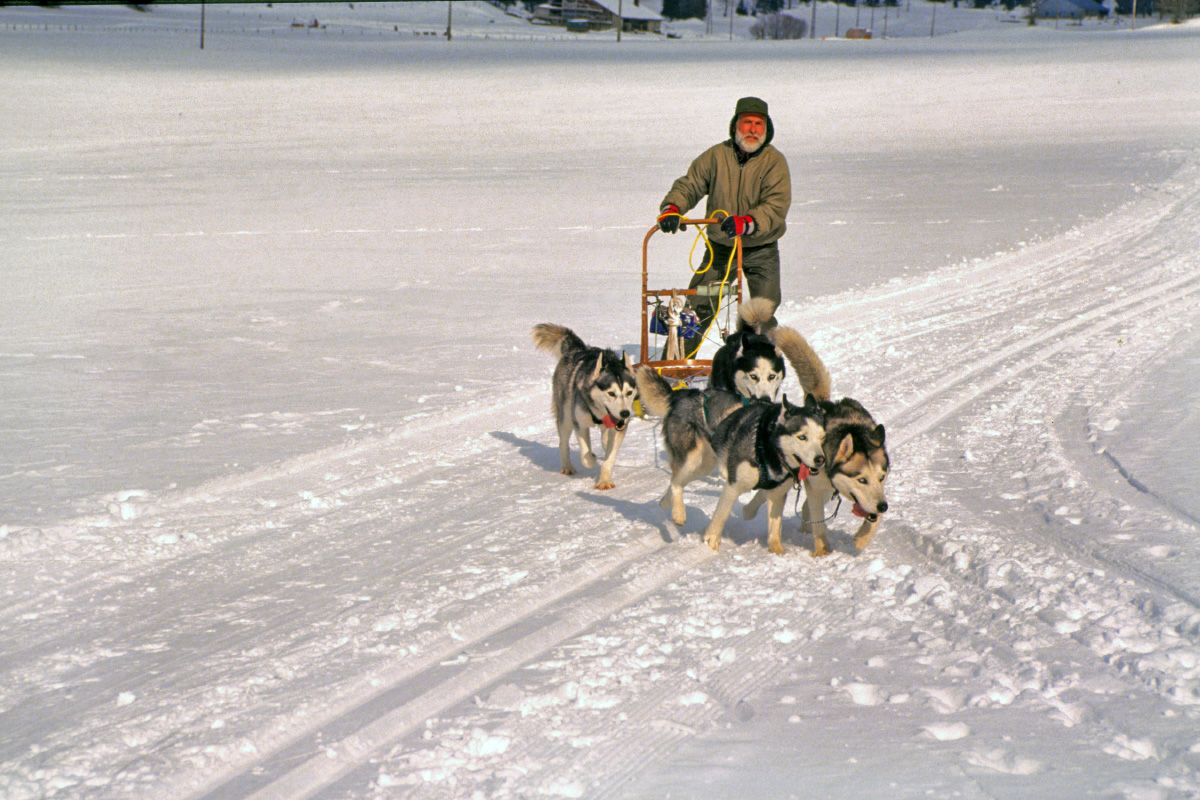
812 28
449 17
620 18
202 25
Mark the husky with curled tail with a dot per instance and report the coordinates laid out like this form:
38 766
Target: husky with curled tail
591 387
748 364
856 458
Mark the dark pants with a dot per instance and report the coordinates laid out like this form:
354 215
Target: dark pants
760 266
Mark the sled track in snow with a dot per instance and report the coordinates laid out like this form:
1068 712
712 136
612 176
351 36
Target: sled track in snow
355 727
346 497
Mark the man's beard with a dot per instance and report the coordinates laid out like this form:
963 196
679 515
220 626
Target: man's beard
753 147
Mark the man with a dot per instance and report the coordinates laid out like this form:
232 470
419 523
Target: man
746 177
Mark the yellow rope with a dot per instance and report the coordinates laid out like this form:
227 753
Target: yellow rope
701 235
724 280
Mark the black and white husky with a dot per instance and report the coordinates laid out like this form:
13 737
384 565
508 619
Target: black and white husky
769 447
748 368
591 387
748 363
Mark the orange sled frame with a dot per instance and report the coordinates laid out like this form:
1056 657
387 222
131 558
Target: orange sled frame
689 368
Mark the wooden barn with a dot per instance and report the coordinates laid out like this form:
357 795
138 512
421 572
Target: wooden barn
599 15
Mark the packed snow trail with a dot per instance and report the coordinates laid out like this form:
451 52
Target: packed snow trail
463 619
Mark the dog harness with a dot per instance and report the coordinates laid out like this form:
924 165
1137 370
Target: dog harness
768 463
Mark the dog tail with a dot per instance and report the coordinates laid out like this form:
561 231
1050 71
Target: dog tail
654 391
809 368
556 340
753 315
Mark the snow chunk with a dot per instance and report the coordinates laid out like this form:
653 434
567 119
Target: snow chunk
564 789
864 694
482 744
1132 749
1001 760
948 731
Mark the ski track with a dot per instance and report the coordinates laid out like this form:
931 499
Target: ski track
620 638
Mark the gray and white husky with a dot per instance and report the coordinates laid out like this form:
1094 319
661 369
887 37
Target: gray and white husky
769 447
591 387
856 458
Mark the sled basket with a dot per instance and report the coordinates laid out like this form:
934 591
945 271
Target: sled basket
655 315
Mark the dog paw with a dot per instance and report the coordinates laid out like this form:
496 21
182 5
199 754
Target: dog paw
588 460
604 484
713 541
775 547
679 517
820 549
567 470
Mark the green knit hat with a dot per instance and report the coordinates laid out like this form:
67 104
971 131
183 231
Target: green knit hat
752 105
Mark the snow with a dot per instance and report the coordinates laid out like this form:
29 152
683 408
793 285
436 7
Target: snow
280 511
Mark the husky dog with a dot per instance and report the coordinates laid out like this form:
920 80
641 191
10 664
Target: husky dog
748 363
591 387
747 368
689 418
856 458
768 447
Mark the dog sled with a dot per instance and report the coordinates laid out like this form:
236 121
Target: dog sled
668 321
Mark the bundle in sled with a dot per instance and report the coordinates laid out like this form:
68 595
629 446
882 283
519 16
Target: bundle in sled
667 315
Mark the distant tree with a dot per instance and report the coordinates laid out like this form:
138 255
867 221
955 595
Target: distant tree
779 26
768 6
1177 10
684 9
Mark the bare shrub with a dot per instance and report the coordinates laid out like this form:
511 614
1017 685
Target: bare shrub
779 26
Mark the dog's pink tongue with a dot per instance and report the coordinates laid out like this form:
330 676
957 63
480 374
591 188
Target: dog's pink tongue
608 421
859 511
804 471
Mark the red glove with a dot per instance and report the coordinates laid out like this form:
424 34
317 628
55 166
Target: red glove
668 220
738 226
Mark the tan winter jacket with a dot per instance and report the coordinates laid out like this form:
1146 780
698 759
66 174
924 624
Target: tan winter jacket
761 188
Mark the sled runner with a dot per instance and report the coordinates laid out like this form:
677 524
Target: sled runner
667 316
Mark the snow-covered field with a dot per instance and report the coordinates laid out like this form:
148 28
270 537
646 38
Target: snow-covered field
280 514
